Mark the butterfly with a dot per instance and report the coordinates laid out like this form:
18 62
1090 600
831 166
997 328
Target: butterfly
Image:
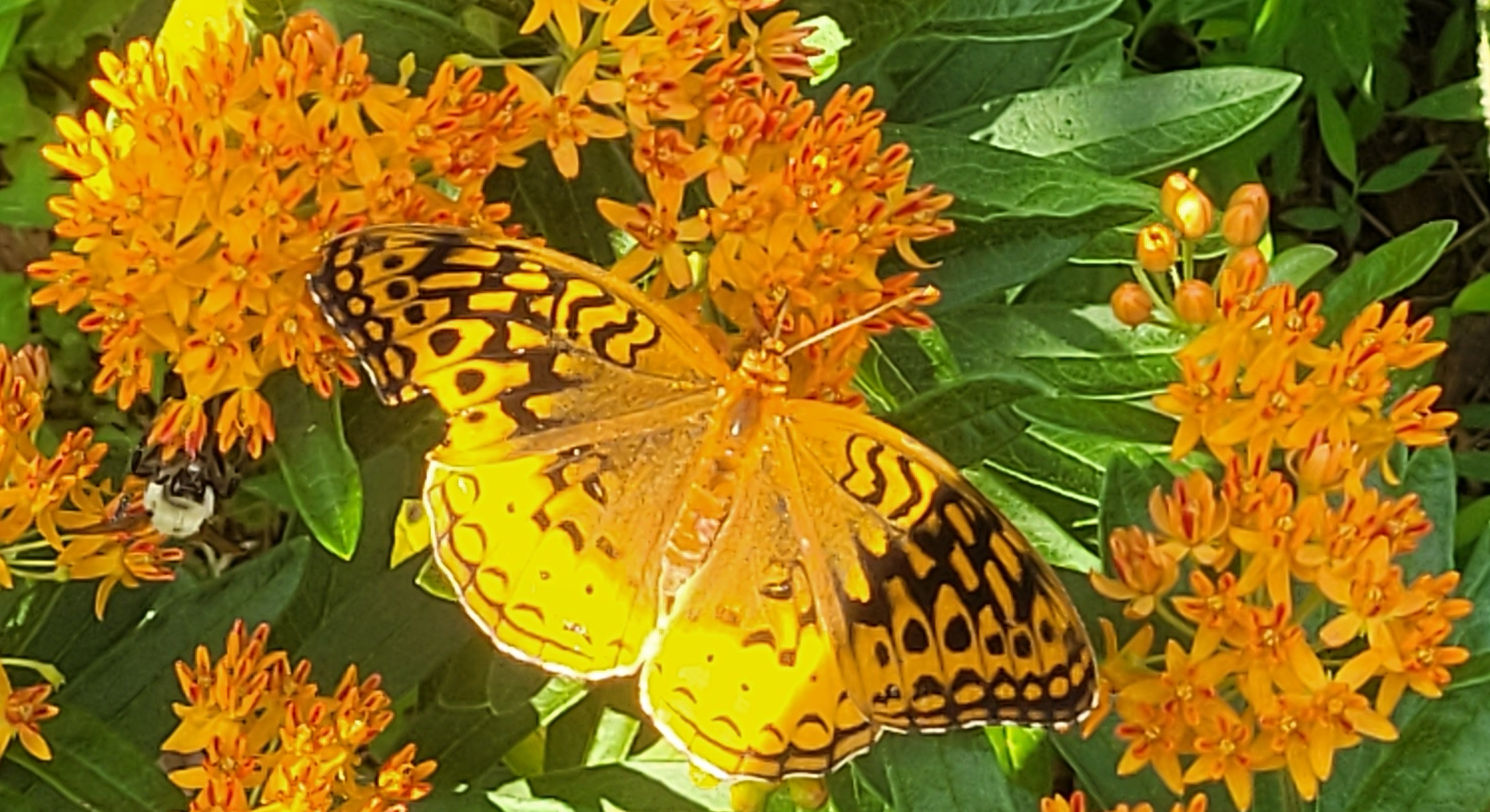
787 577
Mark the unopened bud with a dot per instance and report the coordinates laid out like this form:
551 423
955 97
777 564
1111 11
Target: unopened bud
1195 302
1246 215
1186 206
1253 193
749 796
1156 248
807 793
1131 304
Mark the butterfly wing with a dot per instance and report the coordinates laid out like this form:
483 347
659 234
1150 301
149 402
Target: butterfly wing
575 406
860 585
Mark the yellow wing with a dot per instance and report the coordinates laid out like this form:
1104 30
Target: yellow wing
879 591
576 407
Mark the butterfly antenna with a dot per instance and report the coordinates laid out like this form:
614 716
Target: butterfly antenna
926 294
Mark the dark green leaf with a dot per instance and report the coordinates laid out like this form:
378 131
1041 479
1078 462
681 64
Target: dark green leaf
1055 545
965 421
1435 761
1474 297
23 200
15 309
22 120
1474 464
393 28
1457 102
563 211
1430 475
871 23
1471 521
1383 272
980 260
92 767
1300 263
59 37
1123 127
1121 421
1016 19
131 685
1334 131
989 183
650 780
1312 218
317 465
953 771
1403 172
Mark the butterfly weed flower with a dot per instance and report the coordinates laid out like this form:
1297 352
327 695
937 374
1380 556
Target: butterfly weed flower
22 710
57 523
1291 628
801 201
269 740
1076 802
219 171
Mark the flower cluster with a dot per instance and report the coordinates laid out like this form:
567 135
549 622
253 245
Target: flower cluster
1077 803
219 174
799 203
56 522
1239 572
271 741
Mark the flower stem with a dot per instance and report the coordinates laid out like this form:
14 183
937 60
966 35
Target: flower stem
47 671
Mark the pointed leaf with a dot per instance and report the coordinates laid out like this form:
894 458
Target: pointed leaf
1384 272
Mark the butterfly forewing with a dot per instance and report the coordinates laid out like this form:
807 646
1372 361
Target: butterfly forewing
574 415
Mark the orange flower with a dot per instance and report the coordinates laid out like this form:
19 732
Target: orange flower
21 712
1227 753
567 123
265 728
218 176
657 231
1144 569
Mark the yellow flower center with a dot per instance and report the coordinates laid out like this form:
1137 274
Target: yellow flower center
238 272
1226 746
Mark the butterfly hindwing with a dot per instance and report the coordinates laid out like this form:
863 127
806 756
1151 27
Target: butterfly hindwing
950 618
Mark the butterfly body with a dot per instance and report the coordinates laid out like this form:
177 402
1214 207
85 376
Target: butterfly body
788 577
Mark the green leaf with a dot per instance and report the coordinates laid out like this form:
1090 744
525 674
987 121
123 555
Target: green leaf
317 464
1473 464
92 767
563 211
1300 263
1136 125
871 23
22 120
1435 761
131 684
59 37
1430 474
392 28
15 309
1118 420
1334 131
23 201
989 183
952 771
1384 272
1474 297
10 25
1048 536
1403 172
1312 218
1457 102
1001 20
1126 486
1471 521
655 779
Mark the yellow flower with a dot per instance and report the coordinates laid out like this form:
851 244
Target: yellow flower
658 233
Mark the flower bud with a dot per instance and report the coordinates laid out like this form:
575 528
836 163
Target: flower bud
1175 184
807 793
1253 193
1195 302
1156 248
1131 304
749 796
1240 225
1186 206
